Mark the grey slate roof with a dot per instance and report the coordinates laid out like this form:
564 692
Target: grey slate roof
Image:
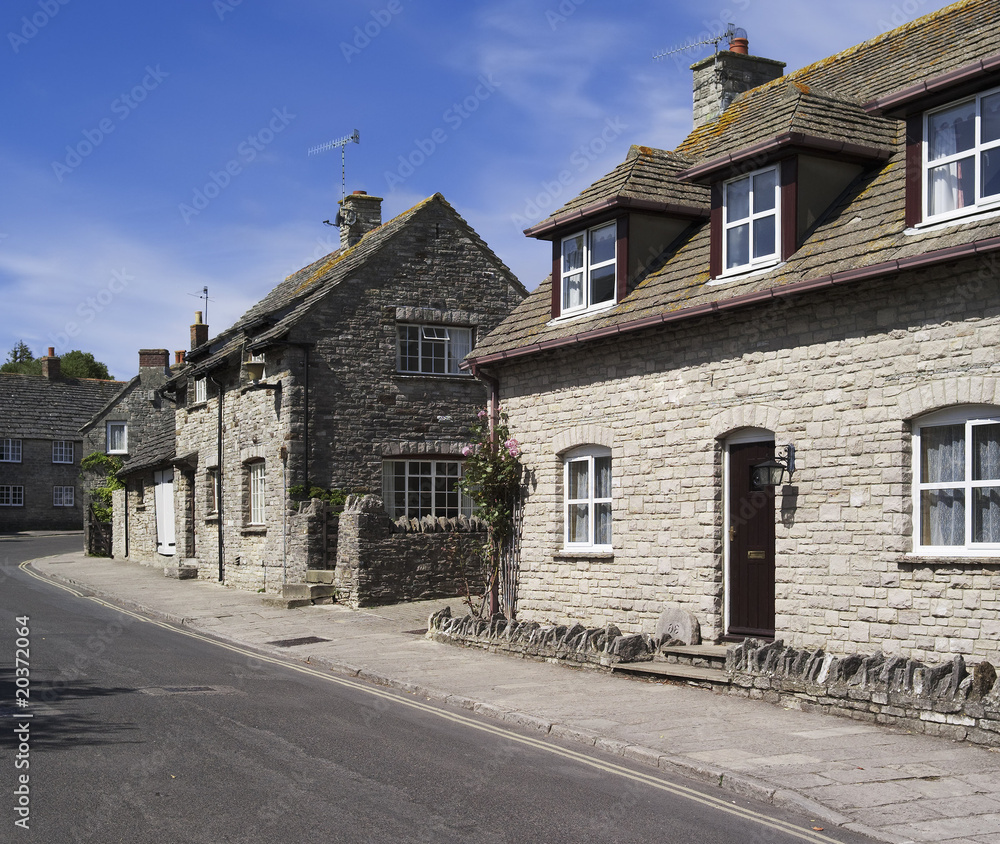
157 446
34 407
864 232
274 315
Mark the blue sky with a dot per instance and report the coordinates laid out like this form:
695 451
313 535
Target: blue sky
148 150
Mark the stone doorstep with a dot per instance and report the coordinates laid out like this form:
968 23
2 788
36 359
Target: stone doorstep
324 576
674 671
181 571
705 656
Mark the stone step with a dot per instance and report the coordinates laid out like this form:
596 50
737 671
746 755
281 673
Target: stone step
703 656
674 671
319 576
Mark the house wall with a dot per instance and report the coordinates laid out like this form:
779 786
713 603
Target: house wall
360 410
839 374
138 536
38 475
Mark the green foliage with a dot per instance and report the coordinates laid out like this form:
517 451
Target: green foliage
74 364
491 476
333 497
104 468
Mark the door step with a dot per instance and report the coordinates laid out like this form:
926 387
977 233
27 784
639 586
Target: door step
703 665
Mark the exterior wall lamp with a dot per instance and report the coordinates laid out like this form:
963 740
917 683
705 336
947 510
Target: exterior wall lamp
771 472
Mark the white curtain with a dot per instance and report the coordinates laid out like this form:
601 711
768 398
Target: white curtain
943 461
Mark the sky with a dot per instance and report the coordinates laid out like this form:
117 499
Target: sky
151 150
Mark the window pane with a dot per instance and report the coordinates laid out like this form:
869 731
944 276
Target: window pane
602 524
573 291
951 130
942 517
573 253
990 118
763 236
990 172
986 514
602 285
602 477
942 454
579 530
986 452
738 200
579 485
461 345
737 246
602 244
951 186
763 190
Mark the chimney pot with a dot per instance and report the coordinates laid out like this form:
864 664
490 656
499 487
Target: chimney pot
51 365
178 357
740 46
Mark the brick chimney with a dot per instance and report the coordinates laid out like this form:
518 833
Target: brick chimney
720 79
50 365
359 214
199 331
179 357
158 359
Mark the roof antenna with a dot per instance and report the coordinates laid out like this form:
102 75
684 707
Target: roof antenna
355 138
732 33
204 295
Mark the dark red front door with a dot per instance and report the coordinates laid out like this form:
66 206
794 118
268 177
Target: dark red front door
751 544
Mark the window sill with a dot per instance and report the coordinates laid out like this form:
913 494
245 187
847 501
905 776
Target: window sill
585 553
254 530
967 215
990 558
596 310
444 376
740 273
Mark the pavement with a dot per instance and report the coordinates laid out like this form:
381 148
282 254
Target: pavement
880 781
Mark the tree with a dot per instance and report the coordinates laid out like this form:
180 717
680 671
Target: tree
74 364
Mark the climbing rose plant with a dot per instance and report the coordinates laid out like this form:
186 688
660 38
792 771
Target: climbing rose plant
491 476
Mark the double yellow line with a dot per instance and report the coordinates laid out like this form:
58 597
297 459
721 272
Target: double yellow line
483 726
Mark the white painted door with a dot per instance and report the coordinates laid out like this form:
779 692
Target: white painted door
163 500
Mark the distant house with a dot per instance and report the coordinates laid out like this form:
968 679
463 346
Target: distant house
137 426
808 284
345 377
41 446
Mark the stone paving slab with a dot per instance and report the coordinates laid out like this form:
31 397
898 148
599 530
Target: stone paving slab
894 786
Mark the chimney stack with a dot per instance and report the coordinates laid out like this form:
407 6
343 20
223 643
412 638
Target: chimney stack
179 357
359 214
50 364
158 359
720 79
199 331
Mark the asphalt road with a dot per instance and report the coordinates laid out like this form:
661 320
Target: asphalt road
146 734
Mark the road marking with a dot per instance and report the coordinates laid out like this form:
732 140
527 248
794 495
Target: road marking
393 696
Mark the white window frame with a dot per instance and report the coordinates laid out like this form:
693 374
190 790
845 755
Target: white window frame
752 217
124 437
258 488
11 496
212 491
588 456
586 271
453 341
200 390
969 416
428 484
62 451
975 152
63 496
10 451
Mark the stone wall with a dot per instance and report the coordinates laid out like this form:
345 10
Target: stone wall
382 562
37 474
840 374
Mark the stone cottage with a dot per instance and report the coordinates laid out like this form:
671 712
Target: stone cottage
41 446
345 377
137 426
761 383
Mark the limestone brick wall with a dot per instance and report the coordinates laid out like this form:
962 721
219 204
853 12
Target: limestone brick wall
137 498
839 374
118 529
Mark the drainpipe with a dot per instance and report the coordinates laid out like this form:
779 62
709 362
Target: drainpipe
218 446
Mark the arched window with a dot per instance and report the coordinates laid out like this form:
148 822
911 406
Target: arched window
956 480
587 498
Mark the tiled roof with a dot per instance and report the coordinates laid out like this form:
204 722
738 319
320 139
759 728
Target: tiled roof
280 309
156 447
34 407
864 232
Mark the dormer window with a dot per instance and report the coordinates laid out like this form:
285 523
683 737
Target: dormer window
750 221
588 272
962 157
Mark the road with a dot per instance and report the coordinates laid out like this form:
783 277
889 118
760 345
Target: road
143 733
